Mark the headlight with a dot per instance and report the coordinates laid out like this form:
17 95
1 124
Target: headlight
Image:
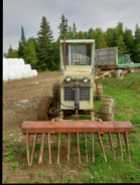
85 80
68 79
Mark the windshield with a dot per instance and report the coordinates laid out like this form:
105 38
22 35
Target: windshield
78 54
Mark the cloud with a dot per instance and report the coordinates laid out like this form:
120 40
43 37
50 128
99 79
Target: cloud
86 14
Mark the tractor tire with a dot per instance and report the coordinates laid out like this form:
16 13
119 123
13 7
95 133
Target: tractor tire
56 92
43 108
55 103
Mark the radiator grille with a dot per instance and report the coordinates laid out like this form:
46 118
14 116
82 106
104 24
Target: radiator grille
69 93
84 93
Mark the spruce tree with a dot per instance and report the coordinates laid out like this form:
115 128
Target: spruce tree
63 27
45 46
12 53
30 53
136 49
21 47
121 45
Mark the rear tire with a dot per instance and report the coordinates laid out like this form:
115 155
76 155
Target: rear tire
56 92
43 108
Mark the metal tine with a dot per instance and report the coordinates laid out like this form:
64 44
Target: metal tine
111 144
33 148
86 150
120 146
78 149
127 145
102 146
49 148
58 151
28 148
40 160
68 144
93 148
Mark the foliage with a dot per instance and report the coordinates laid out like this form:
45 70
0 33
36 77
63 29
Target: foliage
21 47
43 52
12 53
136 50
30 53
63 27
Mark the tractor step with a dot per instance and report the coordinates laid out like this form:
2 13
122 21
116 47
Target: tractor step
35 129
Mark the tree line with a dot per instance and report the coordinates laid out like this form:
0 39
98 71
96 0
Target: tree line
42 52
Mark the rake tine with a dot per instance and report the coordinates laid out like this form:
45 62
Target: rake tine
86 151
68 155
49 148
111 144
28 148
40 160
58 152
120 145
33 147
78 148
127 145
93 149
102 146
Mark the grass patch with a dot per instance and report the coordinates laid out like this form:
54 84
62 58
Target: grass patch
126 94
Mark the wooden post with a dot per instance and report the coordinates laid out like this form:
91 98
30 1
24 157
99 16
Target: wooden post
61 114
92 113
49 148
33 147
69 142
127 145
120 145
78 149
102 146
93 149
86 150
111 144
40 160
28 148
58 151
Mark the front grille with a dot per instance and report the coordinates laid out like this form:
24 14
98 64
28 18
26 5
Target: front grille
69 93
84 93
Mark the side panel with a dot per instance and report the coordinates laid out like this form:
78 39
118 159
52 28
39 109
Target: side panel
106 57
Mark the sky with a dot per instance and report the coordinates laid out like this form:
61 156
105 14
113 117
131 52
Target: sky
85 13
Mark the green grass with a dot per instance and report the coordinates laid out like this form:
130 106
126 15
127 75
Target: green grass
126 94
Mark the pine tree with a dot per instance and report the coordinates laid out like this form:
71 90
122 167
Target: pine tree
100 40
90 33
12 53
63 27
74 30
45 46
23 39
110 37
129 39
121 45
136 49
21 47
30 53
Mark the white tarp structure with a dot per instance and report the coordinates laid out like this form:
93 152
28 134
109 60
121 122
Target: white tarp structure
15 68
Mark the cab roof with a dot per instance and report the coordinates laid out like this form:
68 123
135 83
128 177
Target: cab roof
77 41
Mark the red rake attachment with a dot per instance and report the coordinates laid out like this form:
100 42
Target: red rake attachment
70 127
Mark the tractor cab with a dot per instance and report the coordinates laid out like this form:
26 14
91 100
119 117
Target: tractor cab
77 79
77 57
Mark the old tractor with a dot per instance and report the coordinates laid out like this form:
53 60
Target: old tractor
74 95
77 80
